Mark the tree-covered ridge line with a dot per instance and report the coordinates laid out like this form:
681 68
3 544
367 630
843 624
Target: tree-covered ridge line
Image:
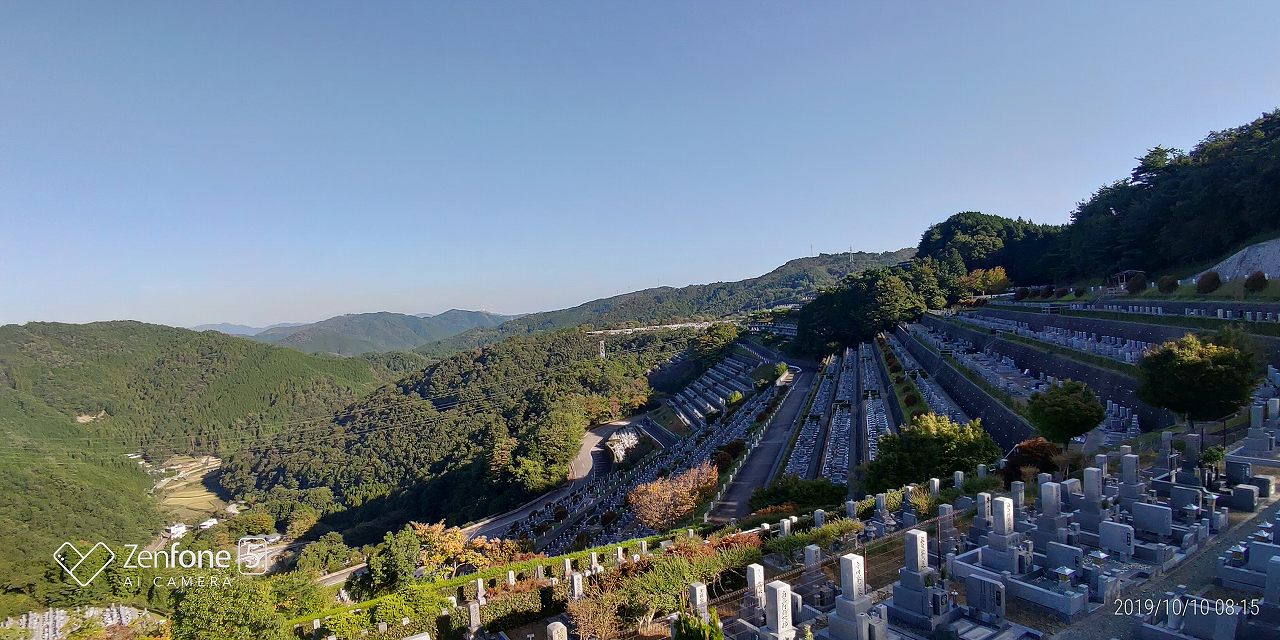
792 283
1175 211
469 436
360 333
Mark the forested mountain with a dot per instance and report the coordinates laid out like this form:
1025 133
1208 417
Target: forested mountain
794 282
229 329
1175 211
472 434
74 399
359 333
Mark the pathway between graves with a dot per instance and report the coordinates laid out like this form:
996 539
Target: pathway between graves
1196 573
755 471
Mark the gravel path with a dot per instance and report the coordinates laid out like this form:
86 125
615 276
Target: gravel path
1196 573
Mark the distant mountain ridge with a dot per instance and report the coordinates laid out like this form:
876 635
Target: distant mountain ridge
792 283
360 333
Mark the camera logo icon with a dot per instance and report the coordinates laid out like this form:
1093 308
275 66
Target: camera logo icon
251 555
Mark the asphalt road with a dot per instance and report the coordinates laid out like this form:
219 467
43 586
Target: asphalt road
755 471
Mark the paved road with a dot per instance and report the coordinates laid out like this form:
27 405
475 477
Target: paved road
580 472
755 471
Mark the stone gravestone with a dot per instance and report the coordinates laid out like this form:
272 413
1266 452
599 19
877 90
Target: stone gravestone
819 518
1116 538
557 631
812 557
985 598
753 601
698 601
777 611
479 582
846 622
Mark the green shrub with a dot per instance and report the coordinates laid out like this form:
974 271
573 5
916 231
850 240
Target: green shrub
1167 284
802 493
1061 292
1136 284
1208 282
1021 293
1257 281
1080 291
822 536
1046 291
688 627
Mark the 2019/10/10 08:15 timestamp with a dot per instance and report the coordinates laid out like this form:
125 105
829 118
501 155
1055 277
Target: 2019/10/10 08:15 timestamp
1185 607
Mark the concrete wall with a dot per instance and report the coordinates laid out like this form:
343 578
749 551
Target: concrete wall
1006 427
1108 384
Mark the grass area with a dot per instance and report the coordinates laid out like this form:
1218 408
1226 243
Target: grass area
189 498
667 417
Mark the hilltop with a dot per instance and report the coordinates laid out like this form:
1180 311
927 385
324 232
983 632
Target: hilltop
795 282
360 333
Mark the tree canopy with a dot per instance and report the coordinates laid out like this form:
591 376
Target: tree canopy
1068 409
1202 378
933 446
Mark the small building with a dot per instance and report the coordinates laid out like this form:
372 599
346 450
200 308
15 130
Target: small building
175 531
208 524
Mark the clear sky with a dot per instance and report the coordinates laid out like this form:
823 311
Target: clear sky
259 162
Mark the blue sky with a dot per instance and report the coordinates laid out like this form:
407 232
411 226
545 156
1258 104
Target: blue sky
287 161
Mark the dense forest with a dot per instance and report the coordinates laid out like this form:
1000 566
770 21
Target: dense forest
1175 212
792 283
470 435
133 387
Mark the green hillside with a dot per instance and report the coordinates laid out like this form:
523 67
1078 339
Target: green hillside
792 283
471 435
360 333
134 387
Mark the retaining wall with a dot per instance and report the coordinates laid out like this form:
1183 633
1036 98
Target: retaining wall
1006 427
1108 384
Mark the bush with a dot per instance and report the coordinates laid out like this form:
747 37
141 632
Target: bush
895 368
1167 284
1257 281
1137 284
1208 282
911 400
1061 292
1036 453
1021 293
802 494
1046 291
1080 291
